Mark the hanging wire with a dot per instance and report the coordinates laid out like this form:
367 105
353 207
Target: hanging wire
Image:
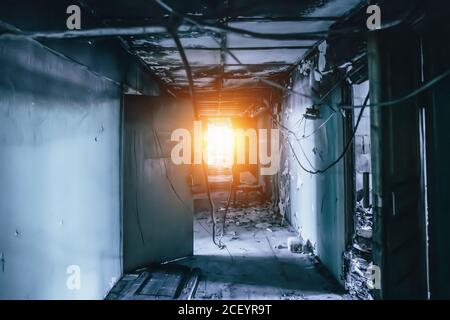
277 85
304 136
108 32
286 129
404 98
231 54
315 35
390 103
346 148
362 107
283 88
202 25
173 31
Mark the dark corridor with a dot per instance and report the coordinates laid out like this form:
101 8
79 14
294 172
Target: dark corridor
224 150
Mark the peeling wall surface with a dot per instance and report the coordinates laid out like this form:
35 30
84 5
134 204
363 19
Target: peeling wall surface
314 204
59 176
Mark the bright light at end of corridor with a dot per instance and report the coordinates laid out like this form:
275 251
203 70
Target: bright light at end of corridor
219 144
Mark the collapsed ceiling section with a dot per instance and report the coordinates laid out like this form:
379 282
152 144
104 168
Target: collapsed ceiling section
230 61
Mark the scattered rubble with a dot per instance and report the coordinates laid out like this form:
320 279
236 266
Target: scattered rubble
358 258
292 296
263 225
357 275
254 235
295 244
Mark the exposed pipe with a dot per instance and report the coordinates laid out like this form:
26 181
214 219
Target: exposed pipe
173 31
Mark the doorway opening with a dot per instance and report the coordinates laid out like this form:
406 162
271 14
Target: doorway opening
261 254
358 259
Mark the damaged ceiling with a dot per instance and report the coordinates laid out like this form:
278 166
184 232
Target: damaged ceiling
224 86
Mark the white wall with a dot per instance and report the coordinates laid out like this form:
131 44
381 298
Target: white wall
59 176
314 203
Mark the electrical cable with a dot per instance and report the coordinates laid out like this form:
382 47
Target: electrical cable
173 31
320 103
346 148
213 27
362 107
107 32
382 104
300 145
318 128
315 35
227 205
276 85
404 98
231 54
201 26
266 81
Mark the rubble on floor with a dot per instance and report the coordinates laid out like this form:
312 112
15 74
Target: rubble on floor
253 215
256 263
358 258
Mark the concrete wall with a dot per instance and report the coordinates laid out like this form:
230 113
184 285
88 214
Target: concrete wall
314 204
59 175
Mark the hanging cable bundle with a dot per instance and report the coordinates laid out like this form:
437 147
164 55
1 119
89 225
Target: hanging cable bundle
173 31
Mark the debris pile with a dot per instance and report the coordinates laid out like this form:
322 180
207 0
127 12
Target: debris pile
358 258
255 215
298 245
295 244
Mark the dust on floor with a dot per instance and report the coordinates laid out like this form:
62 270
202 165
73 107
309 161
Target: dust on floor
256 262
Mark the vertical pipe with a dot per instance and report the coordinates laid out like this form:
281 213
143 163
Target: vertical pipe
376 130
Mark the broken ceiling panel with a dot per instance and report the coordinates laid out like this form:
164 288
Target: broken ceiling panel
195 57
240 83
200 41
274 56
241 41
251 71
195 40
212 67
281 27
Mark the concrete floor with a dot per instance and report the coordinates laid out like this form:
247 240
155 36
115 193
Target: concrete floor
256 263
